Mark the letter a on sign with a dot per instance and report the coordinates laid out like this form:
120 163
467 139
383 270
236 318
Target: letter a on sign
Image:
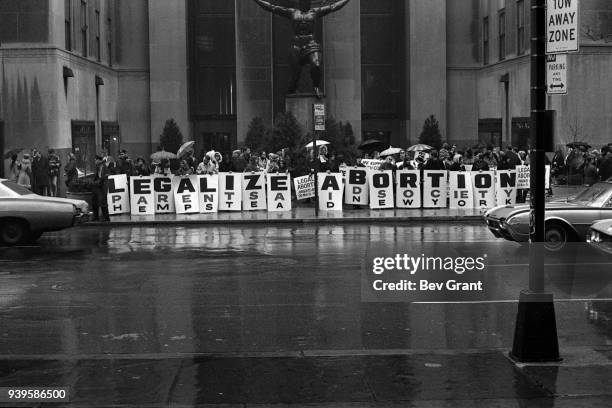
330 191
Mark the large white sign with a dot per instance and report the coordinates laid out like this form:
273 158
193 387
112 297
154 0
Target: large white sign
118 197
356 190
209 193
381 189
435 188
230 191
304 187
505 187
556 74
279 192
330 191
142 196
562 32
408 189
461 190
253 191
186 196
484 189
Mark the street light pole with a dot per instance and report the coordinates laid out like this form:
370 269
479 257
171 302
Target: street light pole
535 335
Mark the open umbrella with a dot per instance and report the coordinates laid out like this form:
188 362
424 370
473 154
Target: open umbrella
419 148
371 144
391 151
319 143
576 145
184 148
11 152
162 155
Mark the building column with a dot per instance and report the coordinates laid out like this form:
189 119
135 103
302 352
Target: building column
168 61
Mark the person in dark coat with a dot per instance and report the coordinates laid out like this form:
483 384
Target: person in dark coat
40 172
605 164
100 190
480 163
238 163
434 163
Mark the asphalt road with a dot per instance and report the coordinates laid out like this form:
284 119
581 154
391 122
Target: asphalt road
277 315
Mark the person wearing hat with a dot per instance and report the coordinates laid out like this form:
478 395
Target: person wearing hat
25 171
100 190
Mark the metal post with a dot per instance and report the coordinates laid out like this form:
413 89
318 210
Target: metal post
535 334
314 152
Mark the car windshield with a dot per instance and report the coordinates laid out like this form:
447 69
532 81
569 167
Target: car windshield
16 188
594 196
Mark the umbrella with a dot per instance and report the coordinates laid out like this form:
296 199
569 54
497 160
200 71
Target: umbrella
391 151
370 144
162 155
419 148
184 148
319 143
10 153
575 145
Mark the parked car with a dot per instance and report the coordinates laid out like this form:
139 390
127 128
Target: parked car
566 221
25 216
600 236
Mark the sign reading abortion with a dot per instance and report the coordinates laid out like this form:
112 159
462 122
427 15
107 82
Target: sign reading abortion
381 189
142 196
408 189
356 191
186 196
505 187
435 188
118 198
253 191
304 187
279 192
484 189
330 191
230 191
461 190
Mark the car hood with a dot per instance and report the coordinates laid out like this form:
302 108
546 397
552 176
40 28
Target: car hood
511 210
82 205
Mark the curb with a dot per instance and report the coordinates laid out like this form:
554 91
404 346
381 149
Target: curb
293 221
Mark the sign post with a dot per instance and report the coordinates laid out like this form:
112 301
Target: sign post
318 115
556 74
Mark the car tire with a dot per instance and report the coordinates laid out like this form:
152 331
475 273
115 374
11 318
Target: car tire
556 236
13 232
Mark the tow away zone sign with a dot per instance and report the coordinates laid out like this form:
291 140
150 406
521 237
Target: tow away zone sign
562 32
556 74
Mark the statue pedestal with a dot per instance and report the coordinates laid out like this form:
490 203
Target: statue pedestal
300 105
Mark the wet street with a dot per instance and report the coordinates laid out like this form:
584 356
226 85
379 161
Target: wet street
234 315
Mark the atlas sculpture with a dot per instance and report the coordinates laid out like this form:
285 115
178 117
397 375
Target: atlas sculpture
305 50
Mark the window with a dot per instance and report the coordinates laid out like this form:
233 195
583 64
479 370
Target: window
520 26
502 34
97 28
68 23
84 28
485 40
109 41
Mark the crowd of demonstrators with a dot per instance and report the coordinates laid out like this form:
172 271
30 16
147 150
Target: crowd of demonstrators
36 171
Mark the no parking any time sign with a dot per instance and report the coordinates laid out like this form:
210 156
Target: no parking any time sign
556 74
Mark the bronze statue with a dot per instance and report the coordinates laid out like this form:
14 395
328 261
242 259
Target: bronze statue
305 49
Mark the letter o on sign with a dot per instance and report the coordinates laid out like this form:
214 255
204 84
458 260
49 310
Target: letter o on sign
381 180
483 181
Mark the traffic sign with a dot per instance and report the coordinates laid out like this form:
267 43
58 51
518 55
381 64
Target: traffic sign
318 110
556 74
562 33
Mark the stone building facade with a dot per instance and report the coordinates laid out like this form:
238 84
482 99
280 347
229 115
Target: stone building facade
93 74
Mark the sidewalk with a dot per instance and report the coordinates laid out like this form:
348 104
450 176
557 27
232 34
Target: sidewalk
300 215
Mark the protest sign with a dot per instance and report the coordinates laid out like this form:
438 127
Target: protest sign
142 196
279 192
163 195
118 198
484 189
435 188
356 189
523 176
380 183
186 194
330 191
408 190
461 190
208 191
230 191
372 164
304 187
253 191
505 187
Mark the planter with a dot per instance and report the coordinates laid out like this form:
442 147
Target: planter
84 195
